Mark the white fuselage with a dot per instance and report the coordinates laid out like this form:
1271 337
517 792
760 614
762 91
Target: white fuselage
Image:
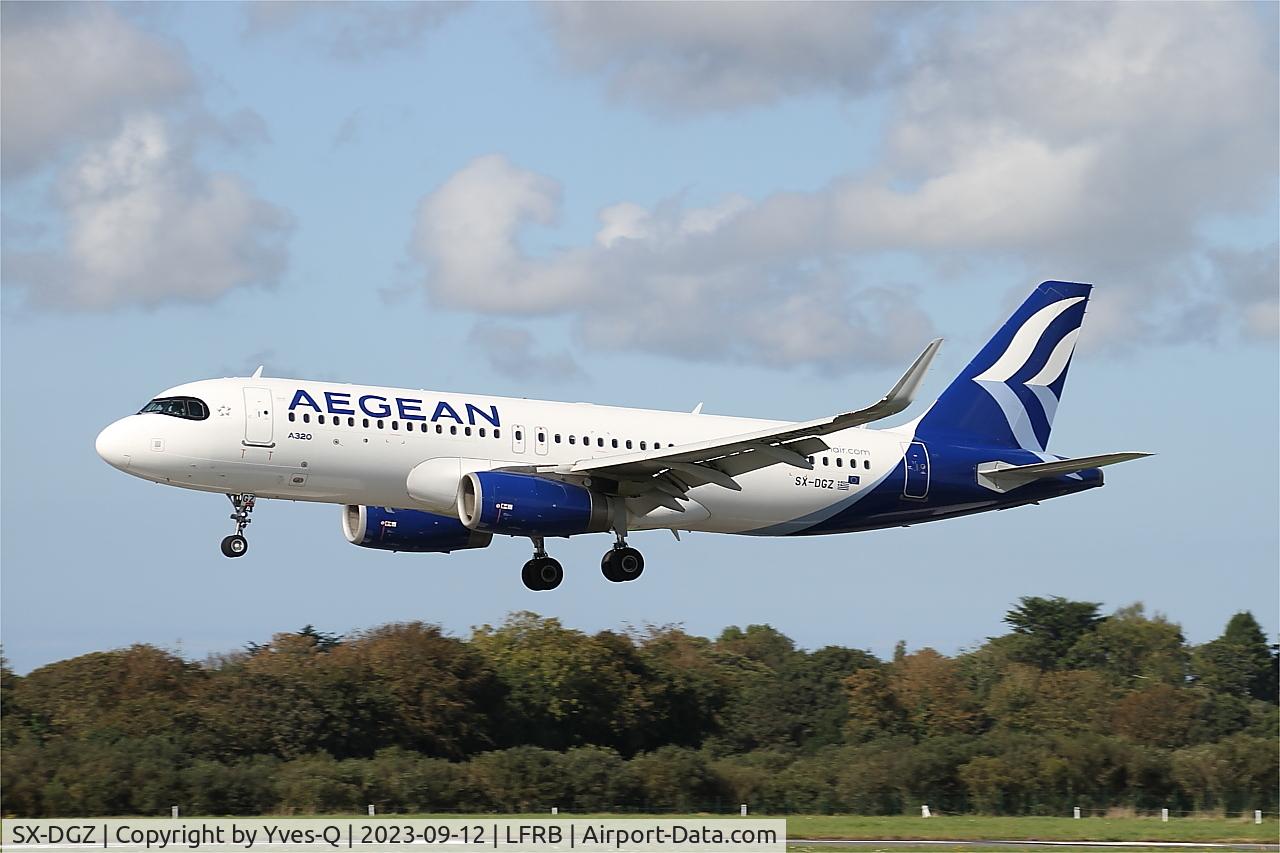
261 437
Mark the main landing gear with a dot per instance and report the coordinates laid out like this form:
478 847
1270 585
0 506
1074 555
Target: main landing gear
236 545
542 572
621 563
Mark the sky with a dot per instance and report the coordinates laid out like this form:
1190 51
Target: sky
768 208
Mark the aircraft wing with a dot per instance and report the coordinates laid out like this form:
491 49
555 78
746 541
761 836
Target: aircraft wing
719 460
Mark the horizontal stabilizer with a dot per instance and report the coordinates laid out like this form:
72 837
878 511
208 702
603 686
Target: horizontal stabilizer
1004 476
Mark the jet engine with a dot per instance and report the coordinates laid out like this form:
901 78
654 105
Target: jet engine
525 505
408 530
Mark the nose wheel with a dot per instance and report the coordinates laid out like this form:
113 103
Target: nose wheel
542 572
236 545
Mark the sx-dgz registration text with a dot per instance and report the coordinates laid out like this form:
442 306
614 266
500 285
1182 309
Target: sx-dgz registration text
815 482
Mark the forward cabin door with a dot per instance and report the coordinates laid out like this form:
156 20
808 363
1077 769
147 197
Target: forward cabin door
258 422
916 483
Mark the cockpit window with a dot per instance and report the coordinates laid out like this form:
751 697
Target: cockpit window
179 407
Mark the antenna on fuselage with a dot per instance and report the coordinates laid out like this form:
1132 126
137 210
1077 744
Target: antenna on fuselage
257 374
697 410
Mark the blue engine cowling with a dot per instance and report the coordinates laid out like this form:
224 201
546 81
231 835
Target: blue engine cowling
408 530
525 505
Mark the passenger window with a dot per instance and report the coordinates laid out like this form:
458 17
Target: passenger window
482 432
351 421
366 423
379 423
519 435
497 433
628 444
292 416
556 438
615 443
453 430
573 439
422 426
866 463
306 418
839 461
467 430
320 419
439 429
542 437
642 447
395 425
599 442
826 461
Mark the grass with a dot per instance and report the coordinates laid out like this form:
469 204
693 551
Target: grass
971 827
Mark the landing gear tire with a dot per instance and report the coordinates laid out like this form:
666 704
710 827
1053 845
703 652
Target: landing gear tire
542 573
622 564
235 546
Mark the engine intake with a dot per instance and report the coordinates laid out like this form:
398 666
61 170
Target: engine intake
524 505
408 530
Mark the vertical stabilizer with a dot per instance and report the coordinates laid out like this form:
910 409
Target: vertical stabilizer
1009 393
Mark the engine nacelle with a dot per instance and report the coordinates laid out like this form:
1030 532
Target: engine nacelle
408 530
524 505
434 483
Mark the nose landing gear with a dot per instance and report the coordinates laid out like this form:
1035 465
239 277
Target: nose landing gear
236 545
542 572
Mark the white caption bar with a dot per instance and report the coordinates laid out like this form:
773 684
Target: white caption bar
732 835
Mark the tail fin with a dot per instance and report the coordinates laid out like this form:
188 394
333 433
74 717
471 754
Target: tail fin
1008 395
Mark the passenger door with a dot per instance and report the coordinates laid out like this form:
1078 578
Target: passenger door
916 483
258 422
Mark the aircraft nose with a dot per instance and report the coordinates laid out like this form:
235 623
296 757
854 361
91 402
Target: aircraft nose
113 445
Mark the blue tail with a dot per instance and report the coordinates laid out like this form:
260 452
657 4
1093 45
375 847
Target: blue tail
1008 395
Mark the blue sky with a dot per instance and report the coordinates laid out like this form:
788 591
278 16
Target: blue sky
769 208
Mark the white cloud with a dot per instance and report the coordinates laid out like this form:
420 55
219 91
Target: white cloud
667 280
707 55
1084 141
144 225
70 71
114 113
513 351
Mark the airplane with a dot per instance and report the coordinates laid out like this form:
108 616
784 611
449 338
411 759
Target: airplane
429 471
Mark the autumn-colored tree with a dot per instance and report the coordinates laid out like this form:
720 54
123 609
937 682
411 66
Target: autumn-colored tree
934 698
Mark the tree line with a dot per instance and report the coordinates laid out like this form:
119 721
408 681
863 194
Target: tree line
1067 708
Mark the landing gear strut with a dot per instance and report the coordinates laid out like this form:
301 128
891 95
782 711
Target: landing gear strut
236 545
542 572
622 563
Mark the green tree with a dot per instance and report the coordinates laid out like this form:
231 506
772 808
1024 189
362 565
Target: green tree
1047 628
1129 645
564 687
1239 662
